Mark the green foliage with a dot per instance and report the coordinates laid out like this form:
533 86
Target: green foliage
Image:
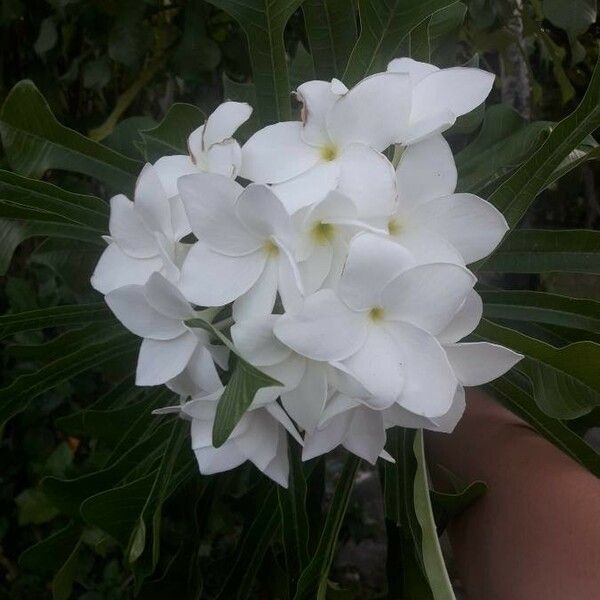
100 498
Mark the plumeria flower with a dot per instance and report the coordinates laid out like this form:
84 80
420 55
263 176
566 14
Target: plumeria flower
157 312
211 148
244 249
439 96
379 327
260 437
305 382
337 144
433 222
144 237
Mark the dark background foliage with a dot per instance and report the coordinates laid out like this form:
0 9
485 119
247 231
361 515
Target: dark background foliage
101 64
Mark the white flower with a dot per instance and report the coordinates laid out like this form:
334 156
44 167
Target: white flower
260 437
143 238
156 312
211 147
338 143
244 248
434 223
304 381
379 328
439 96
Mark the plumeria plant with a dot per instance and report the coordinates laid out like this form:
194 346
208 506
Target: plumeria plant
306 273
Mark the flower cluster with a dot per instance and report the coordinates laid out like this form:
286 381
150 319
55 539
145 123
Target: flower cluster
342 274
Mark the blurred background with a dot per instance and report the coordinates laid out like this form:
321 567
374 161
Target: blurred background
112 70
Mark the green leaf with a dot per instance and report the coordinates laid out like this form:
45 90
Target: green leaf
125 137
574 17
313 581
62 584
516 194
433 560
516 399
540 307
243 384
55 316
34 141
384 25
331 32
503 143
546 251
263 22
48 555
15 397
34 507
448 505
294 518
251 550
171 134
47 37
566 381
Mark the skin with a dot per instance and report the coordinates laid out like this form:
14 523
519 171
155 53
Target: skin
536 532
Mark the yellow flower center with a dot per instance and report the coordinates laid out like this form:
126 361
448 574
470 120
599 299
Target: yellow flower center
329 152
394 227
323 233
376 314
271 249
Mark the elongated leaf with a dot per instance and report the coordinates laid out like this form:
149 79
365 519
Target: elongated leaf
331 32
546 251
516 194
21 197
251 550
519 401
313 581
504 142
56 316
433 560
383 26
540 307
34 141
48 555
566 381
295 526
17 396
62 584
263 22
171 134
448 505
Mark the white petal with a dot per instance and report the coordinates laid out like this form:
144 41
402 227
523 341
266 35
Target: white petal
170 168
366 435
278 469
262 212
458 90
368 178
374 112
427 246
317 98
200 376
321 441
152 202
128 230
426 171
306 401
291 290
224 158
415 69
316 267
224 121
212 279
428 296
378 367
209 201
278 413
288 372
325 328
309 187
479 362
161 360
259 445
258 301
116 269
446 423
217 460
430 382
255 340
433 124
277 153
373 261
179 218
166 298
465 320
130 306
472 225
